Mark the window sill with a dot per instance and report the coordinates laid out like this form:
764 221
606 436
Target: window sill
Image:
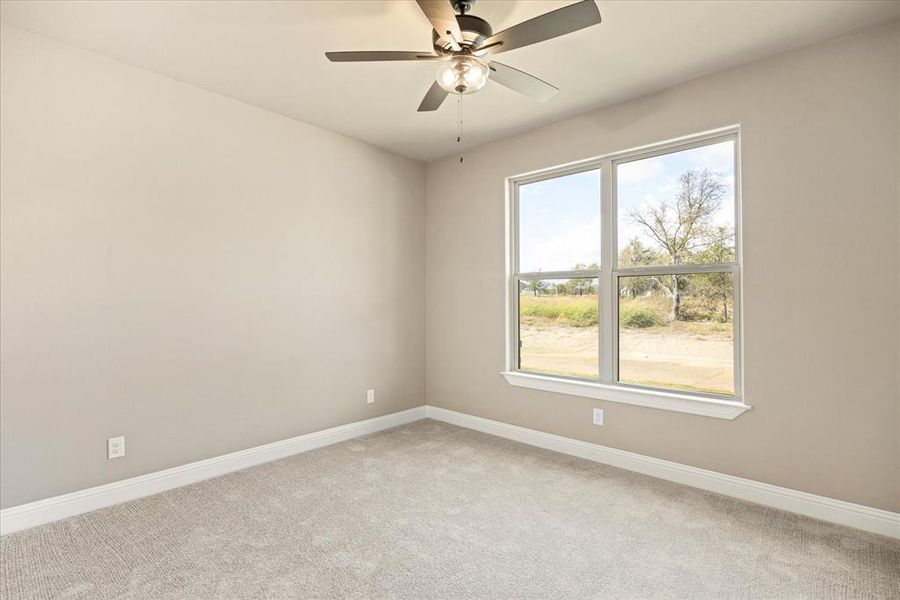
674 401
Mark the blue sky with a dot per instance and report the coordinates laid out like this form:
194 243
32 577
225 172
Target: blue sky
559 222
653 180
559 219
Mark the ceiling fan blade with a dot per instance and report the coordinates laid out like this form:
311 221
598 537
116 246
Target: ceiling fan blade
443 19
544 27
433 99
521 82
378 55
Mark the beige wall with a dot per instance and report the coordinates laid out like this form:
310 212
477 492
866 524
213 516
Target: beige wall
203 276
820 195
191 272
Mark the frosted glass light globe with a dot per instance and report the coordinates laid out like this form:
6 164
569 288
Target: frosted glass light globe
463 75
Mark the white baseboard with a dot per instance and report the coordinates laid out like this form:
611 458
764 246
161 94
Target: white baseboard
820 507
60 507
828 509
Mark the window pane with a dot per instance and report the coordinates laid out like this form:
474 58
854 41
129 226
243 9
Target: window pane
677 332
559 223
558 326
677 208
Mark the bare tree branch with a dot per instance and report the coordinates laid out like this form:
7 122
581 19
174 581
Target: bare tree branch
690 229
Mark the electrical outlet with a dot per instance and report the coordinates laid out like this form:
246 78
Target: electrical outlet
598 416
115 447
370 396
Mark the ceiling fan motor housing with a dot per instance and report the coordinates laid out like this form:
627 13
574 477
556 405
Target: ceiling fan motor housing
474 31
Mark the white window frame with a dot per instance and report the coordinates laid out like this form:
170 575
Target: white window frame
606 387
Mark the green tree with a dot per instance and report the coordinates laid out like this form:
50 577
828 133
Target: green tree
682 227
719 287
535 286
636 254
582 286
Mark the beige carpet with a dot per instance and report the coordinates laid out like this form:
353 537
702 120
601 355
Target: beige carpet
429 510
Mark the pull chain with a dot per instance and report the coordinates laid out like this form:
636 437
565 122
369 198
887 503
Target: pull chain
459 126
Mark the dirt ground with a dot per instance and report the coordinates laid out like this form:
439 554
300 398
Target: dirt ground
659 356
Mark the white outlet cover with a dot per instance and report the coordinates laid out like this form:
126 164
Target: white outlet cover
115 447
370 396
598 416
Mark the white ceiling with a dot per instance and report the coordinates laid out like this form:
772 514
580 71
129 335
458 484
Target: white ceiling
271 54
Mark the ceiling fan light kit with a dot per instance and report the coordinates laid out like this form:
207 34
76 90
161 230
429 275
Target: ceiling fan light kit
463 75
465 45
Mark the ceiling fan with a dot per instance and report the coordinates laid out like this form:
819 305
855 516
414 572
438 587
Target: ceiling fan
465 45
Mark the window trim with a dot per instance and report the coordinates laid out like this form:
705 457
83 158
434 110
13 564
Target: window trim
606 387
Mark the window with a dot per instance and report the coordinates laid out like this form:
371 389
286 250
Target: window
625 275
558 326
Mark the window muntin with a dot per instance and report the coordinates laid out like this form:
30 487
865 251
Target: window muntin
692 284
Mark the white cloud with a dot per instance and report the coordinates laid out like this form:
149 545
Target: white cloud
717 157
629 174
579 243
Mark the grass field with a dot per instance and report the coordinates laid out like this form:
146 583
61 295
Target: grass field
558 334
